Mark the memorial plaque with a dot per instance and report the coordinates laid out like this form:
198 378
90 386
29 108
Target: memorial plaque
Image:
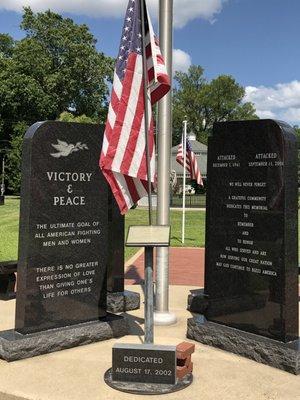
63 243
144 363
251 265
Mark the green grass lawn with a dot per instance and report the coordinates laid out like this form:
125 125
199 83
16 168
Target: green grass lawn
9 229
9 225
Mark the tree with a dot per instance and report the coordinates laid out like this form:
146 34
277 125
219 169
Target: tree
6 45
55 68
68 66
14 158
297 132
82 119
204 103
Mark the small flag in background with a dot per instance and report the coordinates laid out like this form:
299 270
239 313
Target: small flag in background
123 156
191 161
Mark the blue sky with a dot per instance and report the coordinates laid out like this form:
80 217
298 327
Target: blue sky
256 41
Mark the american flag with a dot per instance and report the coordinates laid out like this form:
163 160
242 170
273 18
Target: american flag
191 161
123 156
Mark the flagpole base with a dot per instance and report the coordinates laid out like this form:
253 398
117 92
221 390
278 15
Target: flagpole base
164 318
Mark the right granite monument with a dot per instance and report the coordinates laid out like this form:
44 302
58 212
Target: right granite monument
249 305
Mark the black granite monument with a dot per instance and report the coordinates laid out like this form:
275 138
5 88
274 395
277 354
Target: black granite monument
250 301
118 299
63 246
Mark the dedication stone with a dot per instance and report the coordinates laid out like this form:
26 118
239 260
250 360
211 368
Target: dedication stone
63 228
145 363
251 260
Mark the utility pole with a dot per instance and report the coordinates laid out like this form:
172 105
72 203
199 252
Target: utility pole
162 316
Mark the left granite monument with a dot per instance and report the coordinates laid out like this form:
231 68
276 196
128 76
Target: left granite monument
63 245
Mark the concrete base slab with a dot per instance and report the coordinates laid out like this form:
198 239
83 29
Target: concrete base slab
285 356
123 301
16 346
78 373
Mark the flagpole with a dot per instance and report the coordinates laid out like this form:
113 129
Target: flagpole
146 119
184 178
162 316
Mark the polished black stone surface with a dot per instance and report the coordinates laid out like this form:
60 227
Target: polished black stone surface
2 199
147 388
63 247
115 260
251 265
144 363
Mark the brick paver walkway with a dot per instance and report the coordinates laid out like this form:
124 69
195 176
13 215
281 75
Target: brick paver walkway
186 267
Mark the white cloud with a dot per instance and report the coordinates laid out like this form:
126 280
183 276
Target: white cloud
281 101
184 10
181 60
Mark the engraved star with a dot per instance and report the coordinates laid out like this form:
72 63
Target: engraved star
128 19
139 35
131 9
126 29
120 58
124 38
122 47
138 49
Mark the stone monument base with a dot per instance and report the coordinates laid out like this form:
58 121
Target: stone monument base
147 388
16 346
2 198
285 356
118 302
200 304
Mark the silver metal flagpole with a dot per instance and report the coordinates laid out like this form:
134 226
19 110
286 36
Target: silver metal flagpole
162 316
149 290
146 119
184 178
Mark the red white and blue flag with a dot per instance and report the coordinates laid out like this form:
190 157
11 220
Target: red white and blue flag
191 161
123 156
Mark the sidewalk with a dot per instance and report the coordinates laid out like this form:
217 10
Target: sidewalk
77 373
186 267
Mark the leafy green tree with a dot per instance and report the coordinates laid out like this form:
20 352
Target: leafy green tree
297 132
203 103
55 68
82 119
68 66
6 45
14 158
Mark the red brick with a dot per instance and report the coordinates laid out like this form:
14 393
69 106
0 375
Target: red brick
184 349
180 258
184 362
181 372
190 368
